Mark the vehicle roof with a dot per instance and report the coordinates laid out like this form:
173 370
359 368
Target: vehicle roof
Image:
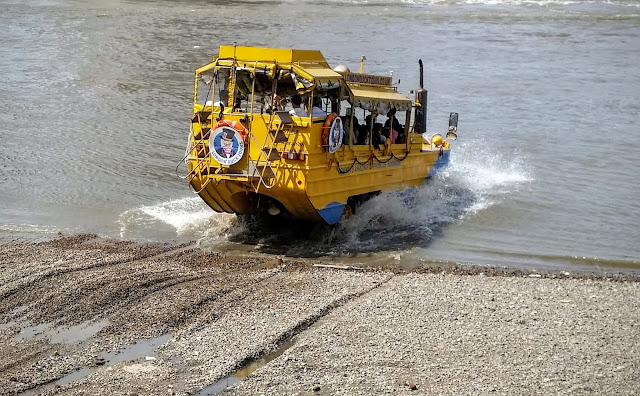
380 99
370 91
264 54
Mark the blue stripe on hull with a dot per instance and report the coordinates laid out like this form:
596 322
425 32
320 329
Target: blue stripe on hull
332 212
441 163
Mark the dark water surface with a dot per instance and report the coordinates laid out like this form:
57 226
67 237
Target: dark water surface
95 98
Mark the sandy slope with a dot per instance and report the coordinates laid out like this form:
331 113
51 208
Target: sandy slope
85 307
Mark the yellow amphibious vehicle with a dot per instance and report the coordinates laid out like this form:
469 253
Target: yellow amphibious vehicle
278 131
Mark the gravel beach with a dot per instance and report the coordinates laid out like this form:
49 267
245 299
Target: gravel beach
81 315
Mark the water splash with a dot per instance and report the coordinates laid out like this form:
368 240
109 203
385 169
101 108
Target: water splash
477 179
186 218
487 175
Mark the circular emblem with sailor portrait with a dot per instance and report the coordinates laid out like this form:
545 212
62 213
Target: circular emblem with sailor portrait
336 133
227 145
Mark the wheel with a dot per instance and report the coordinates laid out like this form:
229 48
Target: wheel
348 212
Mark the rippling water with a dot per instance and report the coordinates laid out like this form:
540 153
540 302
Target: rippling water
95 101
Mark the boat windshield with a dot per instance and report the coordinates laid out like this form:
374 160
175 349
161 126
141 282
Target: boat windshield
212 87
272 93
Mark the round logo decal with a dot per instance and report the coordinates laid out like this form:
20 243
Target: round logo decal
336 133
227 145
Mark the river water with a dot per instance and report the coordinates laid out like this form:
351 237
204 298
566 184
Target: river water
95 99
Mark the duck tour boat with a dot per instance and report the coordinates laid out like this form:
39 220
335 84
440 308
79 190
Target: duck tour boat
278 131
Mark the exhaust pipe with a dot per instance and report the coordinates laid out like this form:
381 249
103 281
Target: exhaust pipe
420 125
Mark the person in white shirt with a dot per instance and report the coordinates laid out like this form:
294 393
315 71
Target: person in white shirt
317 111
298 111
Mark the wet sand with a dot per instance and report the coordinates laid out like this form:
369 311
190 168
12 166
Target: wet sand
80 315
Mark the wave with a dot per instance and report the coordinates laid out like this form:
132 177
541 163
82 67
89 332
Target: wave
182 219
29 232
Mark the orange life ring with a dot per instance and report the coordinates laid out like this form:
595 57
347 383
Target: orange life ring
326 128
235 125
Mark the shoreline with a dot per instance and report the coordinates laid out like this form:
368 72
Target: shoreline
174 319
619 273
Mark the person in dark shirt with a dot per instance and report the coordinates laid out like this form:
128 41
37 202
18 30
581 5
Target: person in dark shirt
365 129
376 135
394 125
356 129
298 111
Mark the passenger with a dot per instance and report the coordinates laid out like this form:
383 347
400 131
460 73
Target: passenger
368 121
298 111
224 99
394 124
363 137
276 104
390 134
377 137
385 135
363 134
392 116
316 111
356 129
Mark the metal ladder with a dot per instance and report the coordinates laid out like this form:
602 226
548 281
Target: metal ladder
198 138
269 159
262 170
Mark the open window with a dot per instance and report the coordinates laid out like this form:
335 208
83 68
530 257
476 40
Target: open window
212 87
381 114
204 87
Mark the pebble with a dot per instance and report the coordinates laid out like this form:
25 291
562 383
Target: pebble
212 302
97 361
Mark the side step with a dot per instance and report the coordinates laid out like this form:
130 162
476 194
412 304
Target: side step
257 170
278 136
271 154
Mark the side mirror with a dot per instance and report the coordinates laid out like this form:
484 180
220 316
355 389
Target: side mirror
453 122
453 127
